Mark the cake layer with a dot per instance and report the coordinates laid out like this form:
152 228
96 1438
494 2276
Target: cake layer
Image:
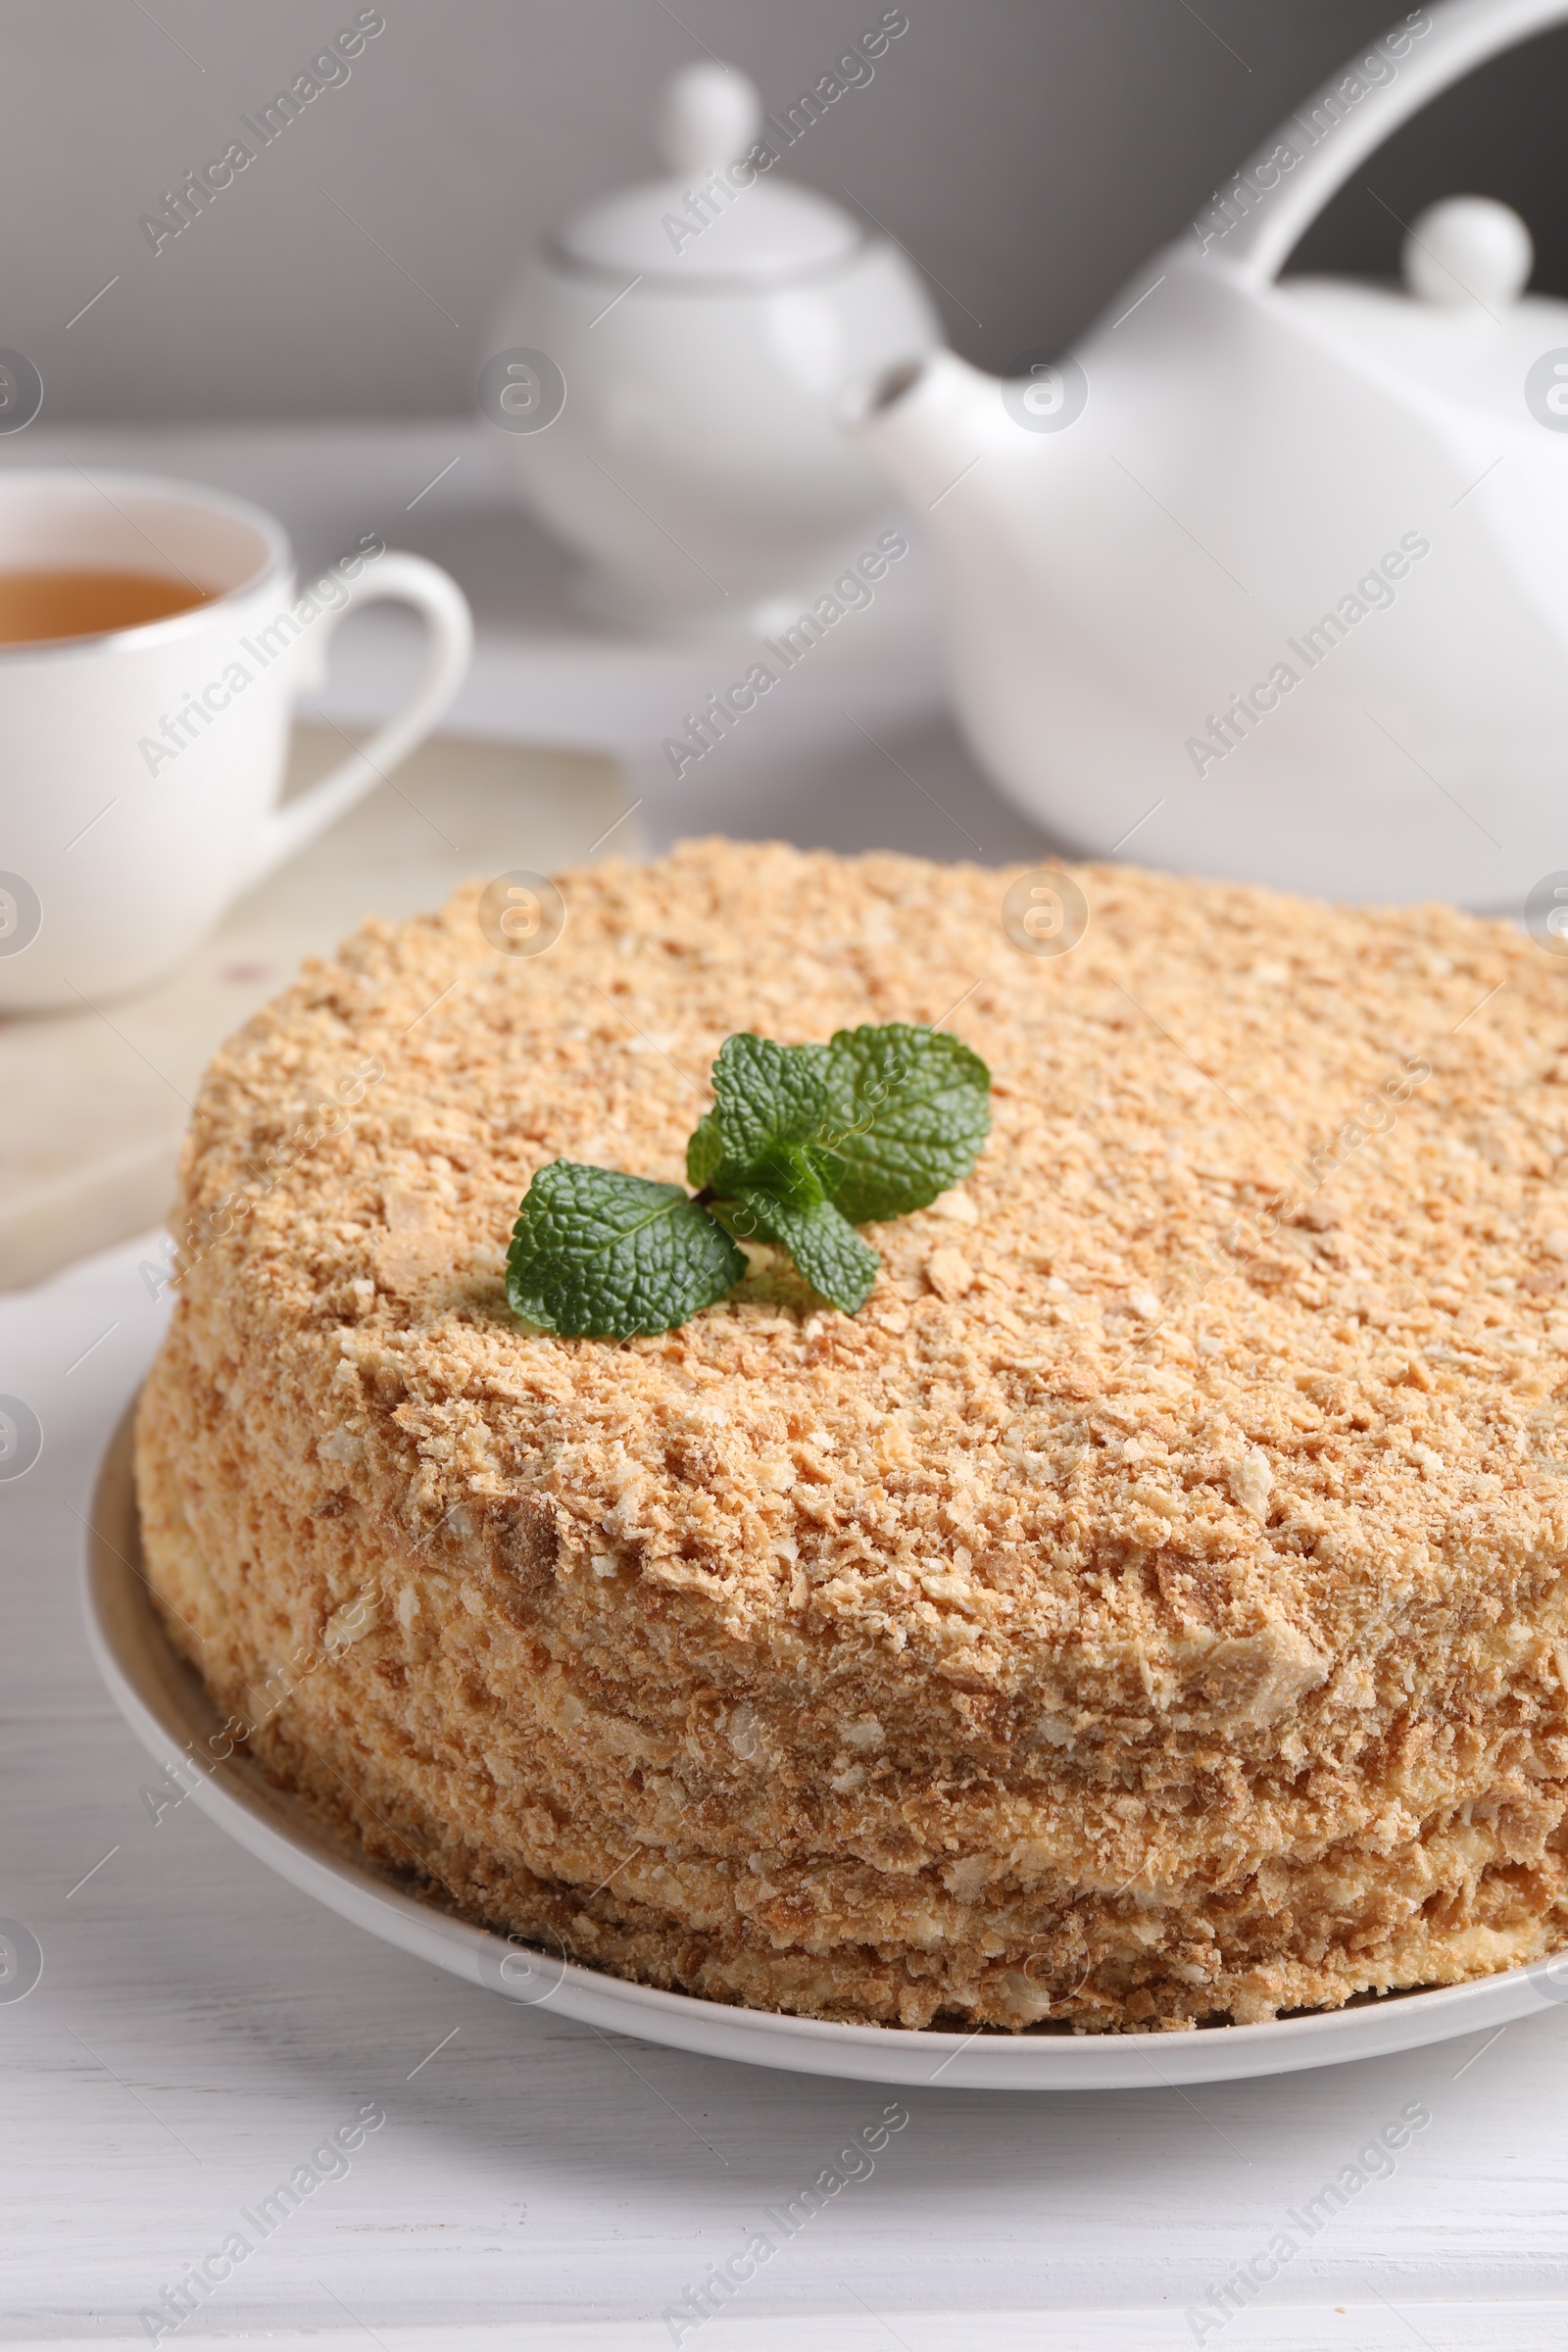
1148 1608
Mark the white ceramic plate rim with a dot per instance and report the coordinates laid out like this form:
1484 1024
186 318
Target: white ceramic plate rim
170 1712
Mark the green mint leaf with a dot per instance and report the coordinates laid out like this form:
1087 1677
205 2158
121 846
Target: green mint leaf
908 1112
704 1153
767 1096
596 1254
785 1180
790 1172
825 1246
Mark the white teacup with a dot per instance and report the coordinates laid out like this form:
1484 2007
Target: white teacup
140 770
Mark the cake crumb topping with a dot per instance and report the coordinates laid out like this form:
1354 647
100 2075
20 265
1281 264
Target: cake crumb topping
1185 1509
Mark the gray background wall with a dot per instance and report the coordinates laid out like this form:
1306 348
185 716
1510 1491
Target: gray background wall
1029 153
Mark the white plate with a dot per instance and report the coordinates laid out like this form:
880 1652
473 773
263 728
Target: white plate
167 1709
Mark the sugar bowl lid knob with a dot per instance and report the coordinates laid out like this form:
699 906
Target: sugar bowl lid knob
1468 249
711 116
720 212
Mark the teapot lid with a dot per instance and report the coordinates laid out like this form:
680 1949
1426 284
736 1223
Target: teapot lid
720 213
1463 329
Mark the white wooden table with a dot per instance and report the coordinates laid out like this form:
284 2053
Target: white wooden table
199 2028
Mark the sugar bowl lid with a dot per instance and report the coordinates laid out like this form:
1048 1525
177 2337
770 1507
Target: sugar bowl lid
720 214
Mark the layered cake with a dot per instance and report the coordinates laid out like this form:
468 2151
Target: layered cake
1149 1609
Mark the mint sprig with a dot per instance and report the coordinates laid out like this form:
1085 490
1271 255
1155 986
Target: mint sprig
594 1253
803 1142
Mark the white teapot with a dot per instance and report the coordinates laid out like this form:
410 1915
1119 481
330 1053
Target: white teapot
1270 580
669 372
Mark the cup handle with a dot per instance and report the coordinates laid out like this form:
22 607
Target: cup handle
410 580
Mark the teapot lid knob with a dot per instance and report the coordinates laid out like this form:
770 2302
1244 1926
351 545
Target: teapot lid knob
711 116
1468 249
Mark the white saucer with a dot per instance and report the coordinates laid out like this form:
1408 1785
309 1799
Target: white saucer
171 1713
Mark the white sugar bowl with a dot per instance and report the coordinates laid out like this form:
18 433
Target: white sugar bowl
668 372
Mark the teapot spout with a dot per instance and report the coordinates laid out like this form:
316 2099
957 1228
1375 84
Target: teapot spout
924 421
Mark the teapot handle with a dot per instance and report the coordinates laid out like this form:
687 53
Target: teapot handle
1259 217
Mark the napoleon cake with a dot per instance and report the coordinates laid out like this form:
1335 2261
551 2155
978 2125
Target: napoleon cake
1146 1610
